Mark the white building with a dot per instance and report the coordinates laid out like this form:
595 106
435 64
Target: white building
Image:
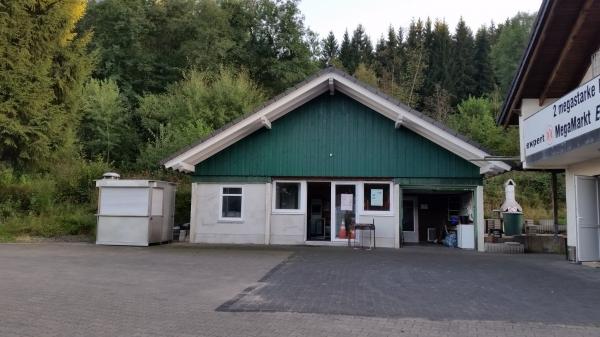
555 98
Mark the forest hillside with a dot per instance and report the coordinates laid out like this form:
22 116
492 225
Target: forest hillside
92 86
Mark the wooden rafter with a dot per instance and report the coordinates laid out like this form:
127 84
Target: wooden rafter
583 13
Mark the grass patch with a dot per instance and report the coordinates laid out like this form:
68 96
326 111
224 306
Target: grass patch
58 202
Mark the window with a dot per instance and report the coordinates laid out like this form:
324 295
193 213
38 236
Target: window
377 197
231 203
287 196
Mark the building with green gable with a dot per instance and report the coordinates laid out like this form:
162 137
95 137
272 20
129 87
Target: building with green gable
326 155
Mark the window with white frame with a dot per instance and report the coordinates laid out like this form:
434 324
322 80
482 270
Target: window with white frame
377 197
231 203
287 196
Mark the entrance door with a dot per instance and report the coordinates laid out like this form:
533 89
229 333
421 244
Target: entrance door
410 223
319 211
588 222
344 195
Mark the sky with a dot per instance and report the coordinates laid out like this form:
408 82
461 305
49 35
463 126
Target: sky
321 16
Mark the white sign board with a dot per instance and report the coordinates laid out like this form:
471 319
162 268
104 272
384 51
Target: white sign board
376 197
346 201
573 115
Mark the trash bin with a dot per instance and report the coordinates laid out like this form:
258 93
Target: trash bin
513 223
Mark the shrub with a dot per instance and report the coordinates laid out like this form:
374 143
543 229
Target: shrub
59 221
59 202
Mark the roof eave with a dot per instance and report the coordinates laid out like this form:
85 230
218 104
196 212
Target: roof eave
186 159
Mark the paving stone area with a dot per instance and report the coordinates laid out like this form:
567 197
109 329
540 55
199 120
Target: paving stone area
428 282
94 291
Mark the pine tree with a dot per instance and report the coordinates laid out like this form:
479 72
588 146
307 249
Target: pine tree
39 76
463 62
493 32
380 56
428 82
440 59
387 58
346 53
329 49
365 47
484 73
400 50
360 50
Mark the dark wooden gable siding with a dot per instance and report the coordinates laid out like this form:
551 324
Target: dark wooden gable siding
335 136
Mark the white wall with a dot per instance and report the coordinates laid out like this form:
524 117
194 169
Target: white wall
262 226
288 229
529 106
206 226
385 228
122 231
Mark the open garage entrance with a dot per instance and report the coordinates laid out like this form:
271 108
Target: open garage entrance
431 215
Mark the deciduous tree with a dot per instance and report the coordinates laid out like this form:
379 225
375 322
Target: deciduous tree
106 127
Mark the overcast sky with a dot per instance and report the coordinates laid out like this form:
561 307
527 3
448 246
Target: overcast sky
377 15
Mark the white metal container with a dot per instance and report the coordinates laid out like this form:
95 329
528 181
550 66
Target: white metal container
466 236
135 212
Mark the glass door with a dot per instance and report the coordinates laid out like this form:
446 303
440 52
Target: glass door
344 213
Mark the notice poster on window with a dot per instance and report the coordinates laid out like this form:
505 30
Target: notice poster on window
376 197
346 202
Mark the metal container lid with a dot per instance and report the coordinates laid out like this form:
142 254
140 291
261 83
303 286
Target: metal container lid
111 175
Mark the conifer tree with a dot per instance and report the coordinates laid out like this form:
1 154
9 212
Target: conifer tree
346 53
362 45
484 74
329 49
39 76
380 58
440 61
428 82
463 55
389 61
